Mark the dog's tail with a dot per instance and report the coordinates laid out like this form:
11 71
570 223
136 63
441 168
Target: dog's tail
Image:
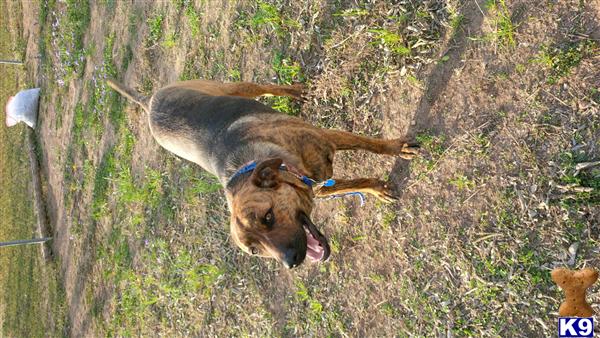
130 94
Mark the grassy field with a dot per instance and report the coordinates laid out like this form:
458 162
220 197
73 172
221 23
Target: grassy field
32 300
502 95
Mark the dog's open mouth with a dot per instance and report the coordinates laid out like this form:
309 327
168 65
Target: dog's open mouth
317 247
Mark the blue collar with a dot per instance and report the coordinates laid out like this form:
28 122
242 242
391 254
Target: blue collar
252 165
307 180
245 169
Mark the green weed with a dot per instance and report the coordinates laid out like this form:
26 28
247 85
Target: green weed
435 146
388 309
170 40
314 307
287 71
414 81
234 75
483 143
146 194
193 16
283 104
462 182
268 15
390 40
155 26
456 21
78 124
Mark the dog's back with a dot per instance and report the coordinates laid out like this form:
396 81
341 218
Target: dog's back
206 124
201 128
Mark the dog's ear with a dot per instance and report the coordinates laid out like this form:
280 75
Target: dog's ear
266 174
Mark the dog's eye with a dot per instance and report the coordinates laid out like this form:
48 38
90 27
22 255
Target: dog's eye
254 250
269 218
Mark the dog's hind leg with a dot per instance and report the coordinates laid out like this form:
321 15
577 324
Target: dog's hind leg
371 186
344 140
243 89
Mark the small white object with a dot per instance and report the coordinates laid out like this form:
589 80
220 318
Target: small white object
23 107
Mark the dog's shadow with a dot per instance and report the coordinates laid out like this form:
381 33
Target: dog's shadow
424 117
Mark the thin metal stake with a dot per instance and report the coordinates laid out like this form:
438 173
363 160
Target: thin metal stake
25 241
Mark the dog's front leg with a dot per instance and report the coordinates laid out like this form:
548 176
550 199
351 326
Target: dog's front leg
344 140
373 186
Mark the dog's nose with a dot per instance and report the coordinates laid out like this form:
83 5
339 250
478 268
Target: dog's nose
291 258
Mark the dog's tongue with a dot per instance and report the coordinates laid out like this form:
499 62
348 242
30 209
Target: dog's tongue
314 250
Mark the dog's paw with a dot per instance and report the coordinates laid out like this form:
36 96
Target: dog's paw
405 150
297 91
409 151
384 193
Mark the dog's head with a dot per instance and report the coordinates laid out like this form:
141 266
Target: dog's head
270 217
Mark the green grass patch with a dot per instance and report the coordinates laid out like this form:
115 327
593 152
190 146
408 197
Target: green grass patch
89 119
24 288
169 280
70 40
504 28
234 75
130 192
288 72
560 61
102 101
198 184
434 144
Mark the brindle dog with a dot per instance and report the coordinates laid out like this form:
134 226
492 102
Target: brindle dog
262 158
